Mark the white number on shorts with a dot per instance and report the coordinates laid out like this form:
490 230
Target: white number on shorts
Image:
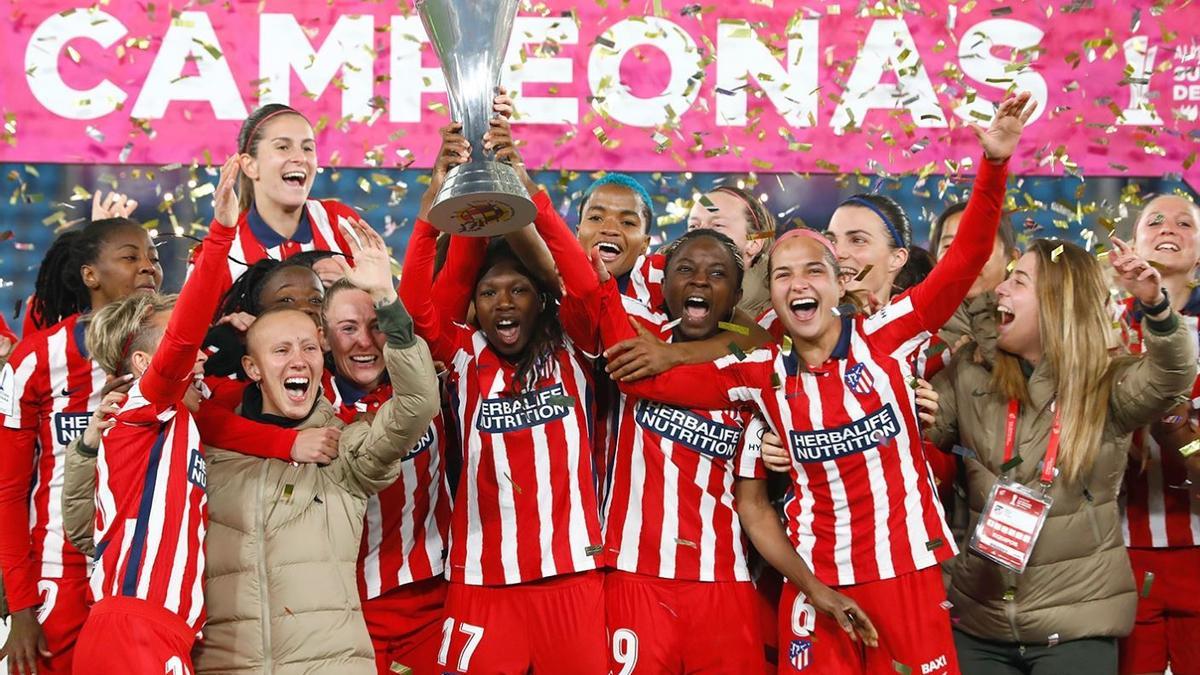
49 592
804 616
625 649
474 635
175 667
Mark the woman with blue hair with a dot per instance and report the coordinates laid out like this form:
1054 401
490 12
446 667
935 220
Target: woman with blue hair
614 217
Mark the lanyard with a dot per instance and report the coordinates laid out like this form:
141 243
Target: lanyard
1010 439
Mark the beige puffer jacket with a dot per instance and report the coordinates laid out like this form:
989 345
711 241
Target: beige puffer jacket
283 539
1078 582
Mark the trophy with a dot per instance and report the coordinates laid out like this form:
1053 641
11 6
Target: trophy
483 197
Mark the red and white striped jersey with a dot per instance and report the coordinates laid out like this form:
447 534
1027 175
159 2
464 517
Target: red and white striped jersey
526 506
48 390
1160 510
646 279
406 527
669 509
152 509
927 359
319 230
864 505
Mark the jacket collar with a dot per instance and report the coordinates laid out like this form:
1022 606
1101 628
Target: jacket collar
1042 385
270 238
252 409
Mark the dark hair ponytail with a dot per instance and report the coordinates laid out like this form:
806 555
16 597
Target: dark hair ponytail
59 290
248 139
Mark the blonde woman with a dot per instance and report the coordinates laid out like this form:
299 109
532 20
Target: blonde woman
1055 397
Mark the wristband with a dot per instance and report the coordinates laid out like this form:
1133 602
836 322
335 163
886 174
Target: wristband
86 450
1161 307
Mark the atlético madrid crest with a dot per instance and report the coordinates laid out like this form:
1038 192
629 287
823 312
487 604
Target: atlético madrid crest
800 653
859 380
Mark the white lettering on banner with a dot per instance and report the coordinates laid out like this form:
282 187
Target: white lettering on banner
978 63
500 415
347 48
888 41
699 433
614 99
407 37
189 39
540 66
41 64
857 436
744 57
934 665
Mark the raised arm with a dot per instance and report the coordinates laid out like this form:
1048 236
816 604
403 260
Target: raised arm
454 285
370 453
170 370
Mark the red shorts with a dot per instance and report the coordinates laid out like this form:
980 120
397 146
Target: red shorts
909 612
554 625
405 626
674 626
1168 618
63 609
132 637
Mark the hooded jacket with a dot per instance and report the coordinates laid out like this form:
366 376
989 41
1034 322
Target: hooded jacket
1078 582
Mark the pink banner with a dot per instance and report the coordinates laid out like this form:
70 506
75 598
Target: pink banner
755 85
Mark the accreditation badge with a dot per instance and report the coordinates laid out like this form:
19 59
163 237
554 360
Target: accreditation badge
1010 524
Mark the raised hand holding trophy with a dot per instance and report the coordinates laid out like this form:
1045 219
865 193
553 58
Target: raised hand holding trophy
483 197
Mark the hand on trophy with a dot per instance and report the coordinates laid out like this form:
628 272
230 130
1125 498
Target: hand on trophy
455 150
499 139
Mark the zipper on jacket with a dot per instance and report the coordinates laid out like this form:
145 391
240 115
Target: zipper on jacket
1010 605
260 529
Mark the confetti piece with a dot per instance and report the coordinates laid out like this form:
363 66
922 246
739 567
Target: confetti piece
946 605
1054 255
775 381
561 400
1190 449
287 492
1172 419
1010 594
786 344
934 544
707 204
685 542
936 348
733 328
1052 640
1147 583
901 668
514 484
400 669
1011 464
595 549
736 351
670 325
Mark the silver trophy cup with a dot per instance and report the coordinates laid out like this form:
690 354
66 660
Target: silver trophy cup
483 197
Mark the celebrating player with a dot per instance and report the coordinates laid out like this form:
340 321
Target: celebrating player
48 390
525 532
863 516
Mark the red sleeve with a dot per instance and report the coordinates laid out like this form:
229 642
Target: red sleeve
220 427
580 307
16 545
416 284
930 304
170 370
455 283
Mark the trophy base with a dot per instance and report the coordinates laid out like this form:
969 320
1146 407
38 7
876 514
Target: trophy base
482 199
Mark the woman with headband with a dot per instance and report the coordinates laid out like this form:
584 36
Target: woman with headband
278 160
864 517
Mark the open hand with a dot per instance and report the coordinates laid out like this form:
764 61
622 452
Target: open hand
372 272
999 140
1135 275
114 205
225 200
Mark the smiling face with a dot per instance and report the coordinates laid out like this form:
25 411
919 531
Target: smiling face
283 355
284 164
613 219
993 271
1166 233
805 288
352 330
862 240
1017 310
701 287
297 287
507 306
126 263
727 215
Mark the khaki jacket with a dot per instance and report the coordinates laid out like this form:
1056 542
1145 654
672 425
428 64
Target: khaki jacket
1078 582
283 539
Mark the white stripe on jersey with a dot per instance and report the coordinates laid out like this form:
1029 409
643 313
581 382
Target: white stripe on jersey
237 257
670 525
473 563
878 483
374 527
505 499
578 536
157 506
628 556
541 464
708 505
320 223
21 375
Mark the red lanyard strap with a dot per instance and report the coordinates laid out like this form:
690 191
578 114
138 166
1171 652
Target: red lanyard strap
1010 440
